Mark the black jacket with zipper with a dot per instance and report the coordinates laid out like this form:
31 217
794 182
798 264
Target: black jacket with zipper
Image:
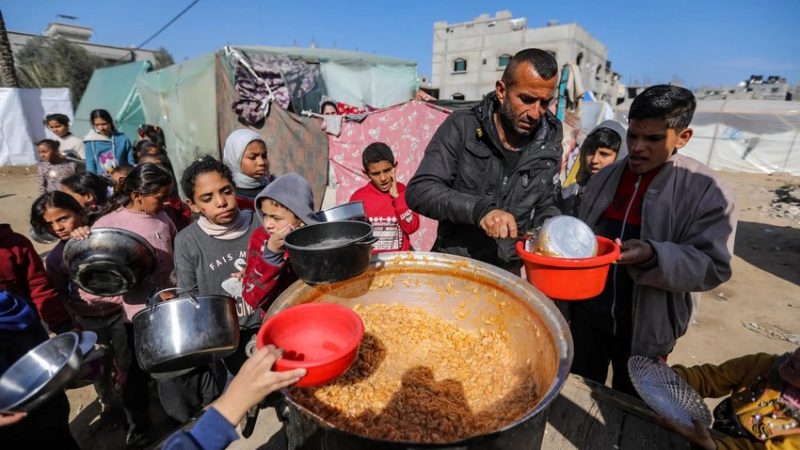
464 175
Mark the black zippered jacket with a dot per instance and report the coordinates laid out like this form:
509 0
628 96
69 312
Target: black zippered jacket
464 175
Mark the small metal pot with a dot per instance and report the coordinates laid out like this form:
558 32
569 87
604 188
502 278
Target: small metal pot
330 252
345 211
40 374
110 262
185 332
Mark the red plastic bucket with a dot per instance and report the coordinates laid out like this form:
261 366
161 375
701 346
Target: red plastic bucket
322 338
570 278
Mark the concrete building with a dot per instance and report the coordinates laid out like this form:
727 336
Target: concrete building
757 87
80 35
469 57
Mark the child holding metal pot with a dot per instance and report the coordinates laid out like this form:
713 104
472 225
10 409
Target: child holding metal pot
216 428
59 214
286 204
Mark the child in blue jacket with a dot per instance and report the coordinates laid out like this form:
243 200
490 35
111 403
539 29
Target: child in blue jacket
106 148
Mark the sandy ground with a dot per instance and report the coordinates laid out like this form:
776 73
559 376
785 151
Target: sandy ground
758 310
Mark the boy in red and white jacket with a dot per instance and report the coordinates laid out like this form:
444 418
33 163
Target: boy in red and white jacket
385 201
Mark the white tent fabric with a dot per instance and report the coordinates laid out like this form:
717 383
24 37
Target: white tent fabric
758 136
22 113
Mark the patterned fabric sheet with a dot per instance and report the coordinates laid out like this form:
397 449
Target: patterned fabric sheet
407 129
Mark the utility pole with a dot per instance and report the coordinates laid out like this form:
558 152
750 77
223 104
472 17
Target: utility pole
8 76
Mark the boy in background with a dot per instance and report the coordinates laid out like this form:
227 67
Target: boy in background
675 223
385 201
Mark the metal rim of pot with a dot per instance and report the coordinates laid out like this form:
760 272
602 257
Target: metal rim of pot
547 311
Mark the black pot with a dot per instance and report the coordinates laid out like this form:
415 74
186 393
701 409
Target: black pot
330 252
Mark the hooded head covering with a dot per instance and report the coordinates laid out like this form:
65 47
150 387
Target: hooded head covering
292 191
232 155
616 127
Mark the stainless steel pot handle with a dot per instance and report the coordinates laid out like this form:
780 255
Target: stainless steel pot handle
152 299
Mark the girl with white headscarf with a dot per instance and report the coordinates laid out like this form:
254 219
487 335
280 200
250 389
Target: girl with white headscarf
245 153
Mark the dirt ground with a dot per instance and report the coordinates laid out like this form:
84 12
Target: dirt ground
758 310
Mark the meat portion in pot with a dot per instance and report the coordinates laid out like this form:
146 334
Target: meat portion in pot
419 378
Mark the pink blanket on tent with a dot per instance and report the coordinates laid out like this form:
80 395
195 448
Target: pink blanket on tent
407 129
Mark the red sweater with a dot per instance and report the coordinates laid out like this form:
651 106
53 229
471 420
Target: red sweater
391 218
263 282
22 272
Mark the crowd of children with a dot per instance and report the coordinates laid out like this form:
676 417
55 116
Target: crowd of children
226 237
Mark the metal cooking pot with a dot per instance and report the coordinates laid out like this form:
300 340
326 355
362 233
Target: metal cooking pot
185 332
469 293
40 374
330 252
110 262
345 211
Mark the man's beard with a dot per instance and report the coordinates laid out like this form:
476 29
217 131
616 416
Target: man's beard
509 121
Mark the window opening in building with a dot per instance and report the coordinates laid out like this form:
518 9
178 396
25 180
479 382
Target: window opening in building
457 96
460 65
503 60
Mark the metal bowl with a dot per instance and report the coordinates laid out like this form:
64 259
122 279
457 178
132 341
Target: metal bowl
110 261
40 373
345 211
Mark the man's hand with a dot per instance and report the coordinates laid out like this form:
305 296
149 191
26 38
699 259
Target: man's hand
499 224
275 242
634 252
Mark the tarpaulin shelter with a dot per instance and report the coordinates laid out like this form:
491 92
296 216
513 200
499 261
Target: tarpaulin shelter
194 101
407 129
22 114
758 136
113 89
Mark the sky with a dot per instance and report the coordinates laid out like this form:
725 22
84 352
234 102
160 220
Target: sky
697 43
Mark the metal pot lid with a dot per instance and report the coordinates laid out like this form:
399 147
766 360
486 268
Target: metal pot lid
667 393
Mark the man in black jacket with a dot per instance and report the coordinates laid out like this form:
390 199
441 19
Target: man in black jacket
491 173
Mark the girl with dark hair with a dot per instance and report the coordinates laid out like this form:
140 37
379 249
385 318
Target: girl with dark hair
106 148
154 134
59 214
52 167
178 212
139 208
88 189
68 142
146 147
211 253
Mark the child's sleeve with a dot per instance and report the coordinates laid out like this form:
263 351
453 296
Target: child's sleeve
701 260
90 158
408 219
260 276
185 265
714 381
46 299
41 175
129 151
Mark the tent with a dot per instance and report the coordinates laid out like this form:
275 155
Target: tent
22 113
758 136
199 102
113 89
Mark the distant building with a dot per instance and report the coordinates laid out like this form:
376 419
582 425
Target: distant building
469 57
757 87
80 35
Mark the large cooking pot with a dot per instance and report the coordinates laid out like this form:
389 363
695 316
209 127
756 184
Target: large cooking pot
110 262
345 211
185 332
40 374
330 252
442 284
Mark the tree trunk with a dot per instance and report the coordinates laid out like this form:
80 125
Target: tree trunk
8 76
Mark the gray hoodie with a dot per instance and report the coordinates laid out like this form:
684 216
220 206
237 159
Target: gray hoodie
293 192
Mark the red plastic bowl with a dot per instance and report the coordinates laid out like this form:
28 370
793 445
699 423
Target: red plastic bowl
322 338
570 278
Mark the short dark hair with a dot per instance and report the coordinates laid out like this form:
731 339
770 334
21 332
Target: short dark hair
602 137
543 62
53 144
204 165
674 104
57 117
377 152
140 148
55 199
326 103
